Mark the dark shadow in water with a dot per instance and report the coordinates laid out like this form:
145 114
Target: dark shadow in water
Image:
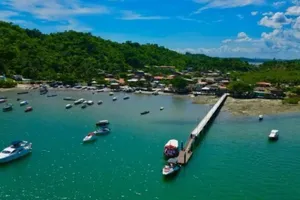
18 161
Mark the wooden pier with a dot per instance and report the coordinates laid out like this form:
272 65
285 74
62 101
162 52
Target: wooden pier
186 153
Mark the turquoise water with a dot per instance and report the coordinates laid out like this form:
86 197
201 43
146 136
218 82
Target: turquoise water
233 161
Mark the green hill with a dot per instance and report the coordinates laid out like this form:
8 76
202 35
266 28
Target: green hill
81 55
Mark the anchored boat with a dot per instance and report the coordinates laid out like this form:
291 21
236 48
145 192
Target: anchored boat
68 106
171 149
7 107
23 103
90 137
28 109
16 150
171 167
102 131
145 112
273 135
100 102
102 123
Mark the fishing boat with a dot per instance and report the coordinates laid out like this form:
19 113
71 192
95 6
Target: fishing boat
7 107
171 149
114 99
145 112
68 106
260 117
3 97
102 123
43 90
84 106
51 95
28 109
90 102
102 131
161 108
126 97
16 150
111 94
23 92
171 167
78 101
273 135
100 102
90 137
69 99
23 103
2 100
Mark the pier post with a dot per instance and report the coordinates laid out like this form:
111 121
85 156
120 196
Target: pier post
181 144
184 157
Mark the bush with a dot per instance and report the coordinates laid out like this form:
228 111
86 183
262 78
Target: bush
291 100
7 84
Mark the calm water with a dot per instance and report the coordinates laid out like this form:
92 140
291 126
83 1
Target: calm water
233 161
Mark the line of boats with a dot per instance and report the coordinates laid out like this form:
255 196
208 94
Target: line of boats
9 107
103 129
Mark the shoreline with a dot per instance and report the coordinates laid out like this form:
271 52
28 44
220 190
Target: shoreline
236 107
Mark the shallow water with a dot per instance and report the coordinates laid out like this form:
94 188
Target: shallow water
233 161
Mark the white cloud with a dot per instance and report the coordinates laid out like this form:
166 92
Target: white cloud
222 4
241 37
189 19
278 4
54 10
293 10
240 16
6 15
296 24
227 41
268 13
276 21
130 15
253 13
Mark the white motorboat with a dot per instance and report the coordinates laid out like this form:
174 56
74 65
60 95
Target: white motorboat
85 102
90 137
161 108
100 102
102 131
114 99
111 93
171 149
273 135
260 117
171 168
102 123
23 103
68 106
16 150
90 102
79 101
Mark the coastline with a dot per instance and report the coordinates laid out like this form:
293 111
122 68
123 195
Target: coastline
237 107
250 107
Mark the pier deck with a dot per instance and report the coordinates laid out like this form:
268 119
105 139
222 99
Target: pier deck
186 153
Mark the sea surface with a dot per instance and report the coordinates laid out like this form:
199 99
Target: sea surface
233 161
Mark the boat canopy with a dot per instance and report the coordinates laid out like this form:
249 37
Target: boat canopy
172 143
16 143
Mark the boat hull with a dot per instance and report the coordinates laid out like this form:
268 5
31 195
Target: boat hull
15 156
273 138
171 171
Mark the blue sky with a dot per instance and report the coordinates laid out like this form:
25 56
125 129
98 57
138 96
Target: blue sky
225 28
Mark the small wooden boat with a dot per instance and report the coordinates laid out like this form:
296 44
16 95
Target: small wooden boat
100 102
90 102
69 99
51 95
23 103
111 94
2 100
102 131
23 92
126 97
145 112
102 123
114 99
7 107
3 97
273 135
260 117
68 106
84 106
161 108
28 109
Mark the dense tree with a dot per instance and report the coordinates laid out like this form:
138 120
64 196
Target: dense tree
240 89
83 56
179 83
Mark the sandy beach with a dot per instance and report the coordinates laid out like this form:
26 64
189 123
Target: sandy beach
250 107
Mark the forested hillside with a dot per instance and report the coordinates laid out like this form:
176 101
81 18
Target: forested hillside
82 55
